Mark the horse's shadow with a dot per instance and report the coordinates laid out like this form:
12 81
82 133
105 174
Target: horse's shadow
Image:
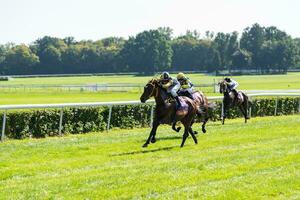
167 138
144 151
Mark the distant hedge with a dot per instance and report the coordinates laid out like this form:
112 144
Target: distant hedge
43 123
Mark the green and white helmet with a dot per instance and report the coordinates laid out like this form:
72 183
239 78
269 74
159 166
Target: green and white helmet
165 76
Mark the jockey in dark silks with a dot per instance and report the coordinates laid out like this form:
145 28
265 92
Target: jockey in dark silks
187 87
232 85
171 85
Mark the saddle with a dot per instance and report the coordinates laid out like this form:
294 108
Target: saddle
238 96
185 93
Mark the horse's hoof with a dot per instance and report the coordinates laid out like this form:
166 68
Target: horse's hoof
203 130
195 132
145 145
153 140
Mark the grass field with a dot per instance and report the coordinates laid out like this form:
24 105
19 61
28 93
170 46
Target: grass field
21 96
258 160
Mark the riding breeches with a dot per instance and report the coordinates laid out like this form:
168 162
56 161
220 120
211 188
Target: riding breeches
173 90
233 86
189 90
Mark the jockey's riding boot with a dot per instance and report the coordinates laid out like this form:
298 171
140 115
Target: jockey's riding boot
235 96
189 95
178 103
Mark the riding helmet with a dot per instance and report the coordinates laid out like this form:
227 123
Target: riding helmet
227 79
165 76
181 76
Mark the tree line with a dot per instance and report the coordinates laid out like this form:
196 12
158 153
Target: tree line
262 49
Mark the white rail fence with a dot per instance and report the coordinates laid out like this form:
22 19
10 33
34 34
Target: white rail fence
62 106
91 87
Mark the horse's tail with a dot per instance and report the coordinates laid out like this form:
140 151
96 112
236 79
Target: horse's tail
249 102
212 106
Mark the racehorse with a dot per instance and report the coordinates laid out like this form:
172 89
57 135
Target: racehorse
166 113
203 108
229 101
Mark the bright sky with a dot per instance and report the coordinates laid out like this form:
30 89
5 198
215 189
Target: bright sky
23 21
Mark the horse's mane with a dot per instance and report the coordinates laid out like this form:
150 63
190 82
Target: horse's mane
222 82
153 81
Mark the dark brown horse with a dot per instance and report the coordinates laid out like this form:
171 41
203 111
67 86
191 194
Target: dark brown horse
203 109
165 112
229 100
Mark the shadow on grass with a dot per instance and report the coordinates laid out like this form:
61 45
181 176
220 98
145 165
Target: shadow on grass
145 151
165 138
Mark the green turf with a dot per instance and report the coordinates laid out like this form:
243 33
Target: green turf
291 80
258 160
64 97
20 96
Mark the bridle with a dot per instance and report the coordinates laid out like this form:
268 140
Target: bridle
223 86
155 90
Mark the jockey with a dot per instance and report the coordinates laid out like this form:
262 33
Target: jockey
187 87
232 85
171 85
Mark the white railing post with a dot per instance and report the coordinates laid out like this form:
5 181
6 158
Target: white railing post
250 108
151 115
109 117
60 120
276 104
214 86
3 126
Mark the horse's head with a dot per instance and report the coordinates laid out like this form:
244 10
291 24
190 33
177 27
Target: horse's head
149 90
223 86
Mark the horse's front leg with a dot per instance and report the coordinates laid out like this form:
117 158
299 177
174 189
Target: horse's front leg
153 140
152 133
244 112
204 123
225 110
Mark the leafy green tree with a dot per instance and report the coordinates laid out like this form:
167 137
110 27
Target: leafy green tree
71 59
49 50
296 43
20 60
69 41
241 59
263 48
148 52
3 53
193 54
117 42
226 44
252 40
271 48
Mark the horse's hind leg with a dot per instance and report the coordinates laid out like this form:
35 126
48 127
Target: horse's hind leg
204 123
193 135
194 120
174 127
225 110
243 109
